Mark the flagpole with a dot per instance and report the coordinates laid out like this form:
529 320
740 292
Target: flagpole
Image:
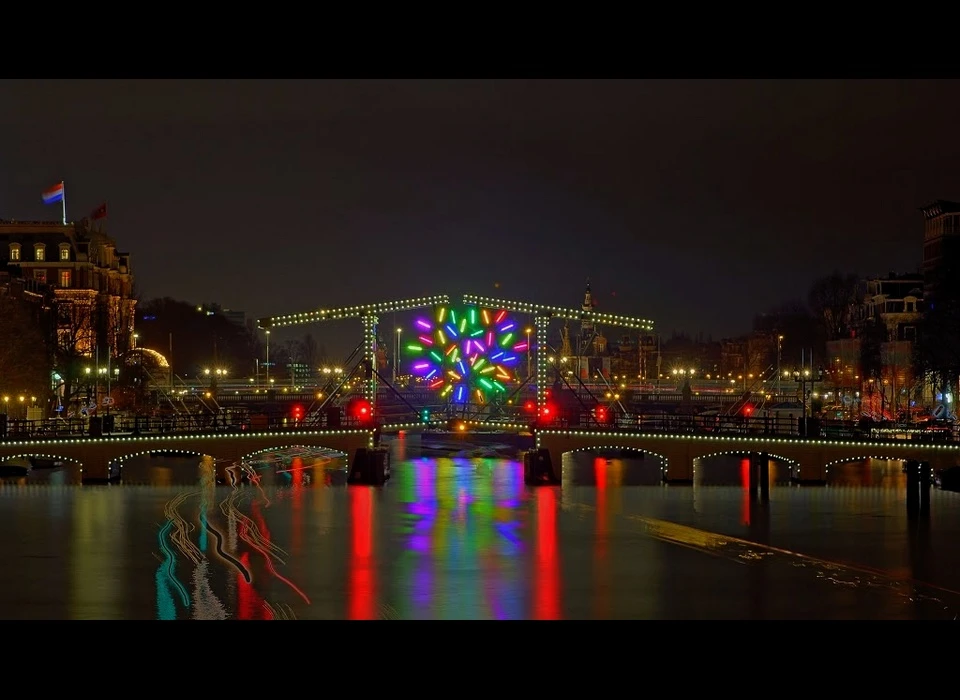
63 202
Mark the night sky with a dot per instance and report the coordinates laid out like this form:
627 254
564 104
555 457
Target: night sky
694 203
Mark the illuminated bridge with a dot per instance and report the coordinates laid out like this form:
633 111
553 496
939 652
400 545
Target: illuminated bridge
468 358
679 454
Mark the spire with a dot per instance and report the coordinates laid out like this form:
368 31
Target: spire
588 298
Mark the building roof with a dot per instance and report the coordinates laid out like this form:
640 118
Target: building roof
940 207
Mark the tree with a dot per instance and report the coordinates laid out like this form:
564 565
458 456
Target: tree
74 338
25 353
201 336
309 352
800 329
833 300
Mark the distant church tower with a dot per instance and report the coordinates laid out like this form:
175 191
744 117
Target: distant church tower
586 326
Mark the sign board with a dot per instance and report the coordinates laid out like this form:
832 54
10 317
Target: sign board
107 401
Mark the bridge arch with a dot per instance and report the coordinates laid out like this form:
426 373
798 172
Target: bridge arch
116 464
161 453
664 460
75 463
861 458
792 464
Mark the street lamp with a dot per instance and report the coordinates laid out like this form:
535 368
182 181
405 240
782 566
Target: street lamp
267 362
779 348
396 357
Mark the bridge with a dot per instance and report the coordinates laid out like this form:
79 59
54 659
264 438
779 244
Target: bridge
810 460
679 450
476 307
99 458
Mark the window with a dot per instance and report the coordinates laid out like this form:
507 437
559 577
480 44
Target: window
64 252
40 276
14 252
40 252
65 278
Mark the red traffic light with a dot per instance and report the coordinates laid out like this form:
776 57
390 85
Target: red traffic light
361 410
747 410
530 407
297 412
601 414
548 413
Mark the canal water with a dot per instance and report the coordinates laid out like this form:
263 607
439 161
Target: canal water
458 536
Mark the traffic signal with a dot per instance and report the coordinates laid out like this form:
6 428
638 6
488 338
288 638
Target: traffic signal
361 410
748 410
601 414
297 413
548 413
530 407
425 415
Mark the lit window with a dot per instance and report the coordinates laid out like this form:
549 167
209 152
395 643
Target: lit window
40 276
14 251
64 253
40 252
65 278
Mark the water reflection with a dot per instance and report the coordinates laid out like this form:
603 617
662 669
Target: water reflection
362 584
465 539
546 586
98 538
601 547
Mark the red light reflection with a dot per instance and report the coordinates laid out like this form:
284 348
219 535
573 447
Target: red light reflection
250 605
362 585
745 480
296 497
546 581
600 547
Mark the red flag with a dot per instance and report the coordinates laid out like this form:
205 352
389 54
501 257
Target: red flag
100 212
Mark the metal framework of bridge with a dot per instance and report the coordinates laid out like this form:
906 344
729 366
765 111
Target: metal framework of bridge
369 314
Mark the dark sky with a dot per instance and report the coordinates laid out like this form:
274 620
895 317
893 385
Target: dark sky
694 203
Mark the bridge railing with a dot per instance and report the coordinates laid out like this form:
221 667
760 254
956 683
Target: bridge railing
786 426
105 426
505 419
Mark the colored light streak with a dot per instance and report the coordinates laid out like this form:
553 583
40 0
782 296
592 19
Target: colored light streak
250 606
169 567
258 537
546 581
476 337
362 577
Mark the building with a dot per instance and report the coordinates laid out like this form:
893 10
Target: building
896 302
90 280
941 241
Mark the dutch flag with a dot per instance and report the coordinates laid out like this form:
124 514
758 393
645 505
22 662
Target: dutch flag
54 194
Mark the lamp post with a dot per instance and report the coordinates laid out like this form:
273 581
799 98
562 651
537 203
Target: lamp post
267 361
396 357
529 356
779 348
804 377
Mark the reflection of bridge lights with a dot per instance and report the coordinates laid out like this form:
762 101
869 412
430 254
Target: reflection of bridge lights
362 581
546 580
